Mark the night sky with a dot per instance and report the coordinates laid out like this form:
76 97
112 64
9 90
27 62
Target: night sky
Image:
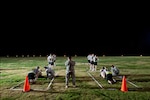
102 40
105 34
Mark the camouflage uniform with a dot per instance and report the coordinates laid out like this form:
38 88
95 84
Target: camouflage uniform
70 71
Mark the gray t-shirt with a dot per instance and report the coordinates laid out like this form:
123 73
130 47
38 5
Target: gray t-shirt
69 66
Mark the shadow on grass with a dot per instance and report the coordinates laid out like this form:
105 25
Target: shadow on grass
145 89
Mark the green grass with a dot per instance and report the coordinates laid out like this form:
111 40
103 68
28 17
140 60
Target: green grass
136 69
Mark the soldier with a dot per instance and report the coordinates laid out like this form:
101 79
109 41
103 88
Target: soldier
50 73
114 70
32 76
50 60
109 77
103 72
70 71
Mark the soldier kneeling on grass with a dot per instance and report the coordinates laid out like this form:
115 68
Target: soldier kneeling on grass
103 72
38 72
114 70
109 77
32 77
50 73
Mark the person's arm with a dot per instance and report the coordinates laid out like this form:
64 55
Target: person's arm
67 63
74 63
48 58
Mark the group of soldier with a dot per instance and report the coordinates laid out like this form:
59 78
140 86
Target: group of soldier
36 73
105 73
92 61
109 73
70 71
50 73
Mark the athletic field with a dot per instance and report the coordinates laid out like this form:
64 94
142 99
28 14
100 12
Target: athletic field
89 85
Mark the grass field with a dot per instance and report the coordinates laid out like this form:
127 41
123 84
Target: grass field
13 71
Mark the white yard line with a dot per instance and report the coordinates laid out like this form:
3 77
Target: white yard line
17 89
132 83
50 84
13 88
95 80
16 86
128 81
51 81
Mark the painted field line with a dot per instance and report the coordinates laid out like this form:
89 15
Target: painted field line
128 81
51 81
38 90
17 89
95 80
13 88
132 83
16 85
31 90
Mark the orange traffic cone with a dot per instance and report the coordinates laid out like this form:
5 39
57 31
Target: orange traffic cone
124 85
26 85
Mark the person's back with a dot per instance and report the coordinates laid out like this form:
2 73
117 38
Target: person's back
38 72
49 72
109 77
32 76
103 72
69 65
89 57
114 70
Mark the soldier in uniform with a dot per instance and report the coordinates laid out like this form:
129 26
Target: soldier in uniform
70 71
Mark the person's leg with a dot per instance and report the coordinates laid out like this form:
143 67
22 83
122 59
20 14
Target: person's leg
73 79
90 67
95 67
30 80
47 74
110 82
52 73
67 79
102 74
114 81
109 78
52 65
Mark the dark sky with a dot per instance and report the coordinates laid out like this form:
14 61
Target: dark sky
107 40
107 33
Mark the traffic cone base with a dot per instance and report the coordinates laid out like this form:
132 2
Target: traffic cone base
124 85
26 87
